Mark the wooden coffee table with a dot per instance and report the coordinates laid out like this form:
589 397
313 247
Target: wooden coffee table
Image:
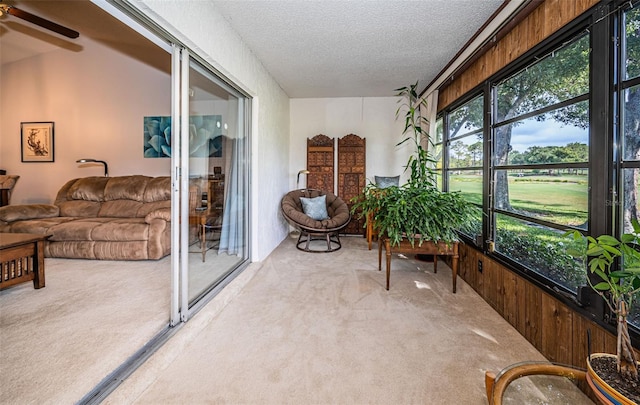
22 259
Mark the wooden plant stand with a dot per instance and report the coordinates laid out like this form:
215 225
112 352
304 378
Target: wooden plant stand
428 248
22 259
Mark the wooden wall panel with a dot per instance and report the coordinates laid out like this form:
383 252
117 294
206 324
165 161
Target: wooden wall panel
514 293
492 284
542 22
533 315
554 328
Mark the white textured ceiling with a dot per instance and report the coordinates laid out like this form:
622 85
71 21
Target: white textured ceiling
313 48
354 48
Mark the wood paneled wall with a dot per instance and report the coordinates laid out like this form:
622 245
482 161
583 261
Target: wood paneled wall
543 21
556 330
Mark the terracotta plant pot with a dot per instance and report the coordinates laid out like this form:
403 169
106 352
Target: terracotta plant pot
605 393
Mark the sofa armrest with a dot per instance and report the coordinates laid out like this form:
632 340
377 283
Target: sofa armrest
12 213
161 213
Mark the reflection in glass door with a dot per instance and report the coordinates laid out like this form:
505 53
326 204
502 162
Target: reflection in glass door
216 240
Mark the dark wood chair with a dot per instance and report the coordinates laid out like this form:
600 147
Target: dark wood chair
7 183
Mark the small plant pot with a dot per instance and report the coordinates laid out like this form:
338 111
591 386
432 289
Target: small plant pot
602 390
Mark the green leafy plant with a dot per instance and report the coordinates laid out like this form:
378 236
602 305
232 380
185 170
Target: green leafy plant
416 210
616 263
415 133
416 213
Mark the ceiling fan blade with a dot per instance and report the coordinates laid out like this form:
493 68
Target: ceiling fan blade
50 25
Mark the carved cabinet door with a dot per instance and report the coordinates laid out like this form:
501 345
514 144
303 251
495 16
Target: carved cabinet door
320 163
352 176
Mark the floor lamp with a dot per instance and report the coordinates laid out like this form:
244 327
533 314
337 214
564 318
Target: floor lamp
106 170
296 233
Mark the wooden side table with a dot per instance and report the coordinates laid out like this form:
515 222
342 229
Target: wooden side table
371 233
22 259
429 248
206 222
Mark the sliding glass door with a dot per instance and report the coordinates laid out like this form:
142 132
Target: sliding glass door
214 189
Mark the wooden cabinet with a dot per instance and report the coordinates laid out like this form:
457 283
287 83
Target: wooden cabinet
352 176
215 194
320 163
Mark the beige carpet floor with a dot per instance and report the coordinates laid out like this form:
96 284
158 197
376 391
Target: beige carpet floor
57 343
303 328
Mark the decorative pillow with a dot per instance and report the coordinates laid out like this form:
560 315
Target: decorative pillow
316 207
384 182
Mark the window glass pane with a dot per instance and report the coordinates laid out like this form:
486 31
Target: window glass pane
630 203
560 76
559 136
466 152
437 156
469 183
631 123
632 43
630 211
540 249
467 118
555 195
439 131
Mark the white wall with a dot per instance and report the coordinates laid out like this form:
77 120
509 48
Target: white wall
203 29
372 118
96 98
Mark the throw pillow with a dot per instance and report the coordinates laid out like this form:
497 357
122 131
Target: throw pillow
384 182
315 207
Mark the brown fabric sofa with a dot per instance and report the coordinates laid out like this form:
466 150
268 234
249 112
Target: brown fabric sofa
109 218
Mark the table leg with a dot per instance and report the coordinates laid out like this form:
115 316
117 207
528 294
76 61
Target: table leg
387 247
38 260
435 264
454 271
379 254
203 240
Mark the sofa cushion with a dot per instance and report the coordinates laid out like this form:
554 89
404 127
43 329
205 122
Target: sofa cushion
101 229
42 226
385 182
88 188
148 208
315 207
126 188
158 189
120 209
122 229
11 213
79 208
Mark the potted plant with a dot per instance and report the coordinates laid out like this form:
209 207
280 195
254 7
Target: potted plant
416 210
615 266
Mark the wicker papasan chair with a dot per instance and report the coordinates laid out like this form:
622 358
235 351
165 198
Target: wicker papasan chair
327 229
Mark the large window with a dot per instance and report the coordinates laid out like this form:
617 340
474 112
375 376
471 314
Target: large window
540 160
538 168
465 157
552 143
629 127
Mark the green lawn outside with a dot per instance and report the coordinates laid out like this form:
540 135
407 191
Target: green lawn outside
559 199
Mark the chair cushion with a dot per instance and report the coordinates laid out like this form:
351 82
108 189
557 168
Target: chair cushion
384 182
315 207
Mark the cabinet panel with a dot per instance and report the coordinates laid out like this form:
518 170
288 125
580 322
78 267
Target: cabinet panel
352 176
320 163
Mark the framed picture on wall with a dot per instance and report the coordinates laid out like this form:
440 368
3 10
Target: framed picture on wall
36 141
